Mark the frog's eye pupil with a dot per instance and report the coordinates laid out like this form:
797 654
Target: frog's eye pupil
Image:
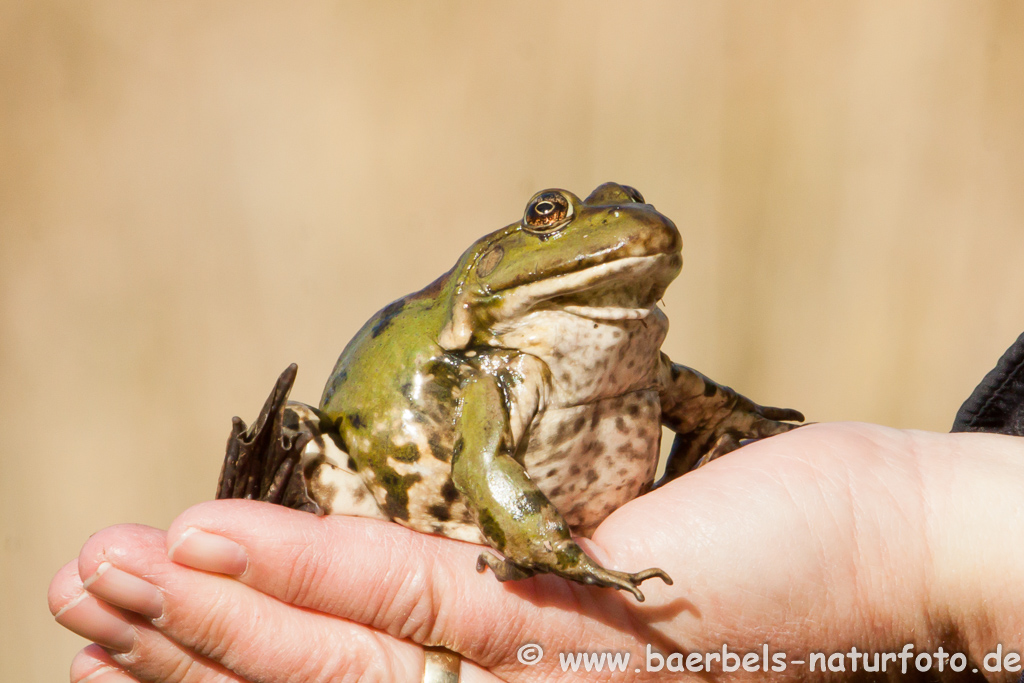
548 212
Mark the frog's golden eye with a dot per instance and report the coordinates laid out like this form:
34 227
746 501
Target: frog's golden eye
634 194
548 212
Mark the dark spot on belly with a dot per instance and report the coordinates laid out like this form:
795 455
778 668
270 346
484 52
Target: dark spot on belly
574 470
622 472
710 389
407 453
620 425
557 491
534 501
440 512
386 316
396 489
591 476
329 429
561 434
578 424
449 492
442 388
633 410
552 472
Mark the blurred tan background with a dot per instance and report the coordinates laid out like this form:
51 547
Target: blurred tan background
194 195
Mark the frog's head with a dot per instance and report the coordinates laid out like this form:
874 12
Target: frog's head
607 257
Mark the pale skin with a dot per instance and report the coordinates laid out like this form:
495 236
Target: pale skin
826 538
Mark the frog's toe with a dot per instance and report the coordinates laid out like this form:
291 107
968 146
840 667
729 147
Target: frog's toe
781 414
763 428
591 572
503 569
264 461
726 443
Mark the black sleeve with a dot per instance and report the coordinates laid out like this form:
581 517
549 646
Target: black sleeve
997 404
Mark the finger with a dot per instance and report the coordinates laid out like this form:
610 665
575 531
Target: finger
408 584
142 651
245 631
94 665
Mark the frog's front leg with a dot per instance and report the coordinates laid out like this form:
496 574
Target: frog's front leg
516 518
710 419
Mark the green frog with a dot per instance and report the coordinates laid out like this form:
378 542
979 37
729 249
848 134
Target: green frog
516 401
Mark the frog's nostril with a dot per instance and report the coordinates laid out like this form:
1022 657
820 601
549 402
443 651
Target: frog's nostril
634 194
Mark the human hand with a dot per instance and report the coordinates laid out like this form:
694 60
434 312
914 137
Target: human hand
820 540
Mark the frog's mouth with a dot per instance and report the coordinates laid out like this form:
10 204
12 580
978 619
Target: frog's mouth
623 289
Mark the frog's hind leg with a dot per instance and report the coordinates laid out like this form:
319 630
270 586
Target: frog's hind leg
515 517
291 456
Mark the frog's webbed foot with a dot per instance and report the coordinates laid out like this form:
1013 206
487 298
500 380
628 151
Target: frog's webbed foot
264 461
748 422
726 443
293 456
710 419
573 564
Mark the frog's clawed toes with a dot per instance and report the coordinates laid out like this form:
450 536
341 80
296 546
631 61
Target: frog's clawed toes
609 578
587 571
503 569
782 414
726 443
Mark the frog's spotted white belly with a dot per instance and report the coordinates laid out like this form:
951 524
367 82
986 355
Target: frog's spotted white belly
591 459
594 444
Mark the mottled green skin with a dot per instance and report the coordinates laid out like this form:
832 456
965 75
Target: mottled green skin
457 401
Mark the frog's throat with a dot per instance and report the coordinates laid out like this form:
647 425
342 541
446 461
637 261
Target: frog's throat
517 301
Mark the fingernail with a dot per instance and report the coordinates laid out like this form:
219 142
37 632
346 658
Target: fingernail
107 675
125 590
96 620
209 552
